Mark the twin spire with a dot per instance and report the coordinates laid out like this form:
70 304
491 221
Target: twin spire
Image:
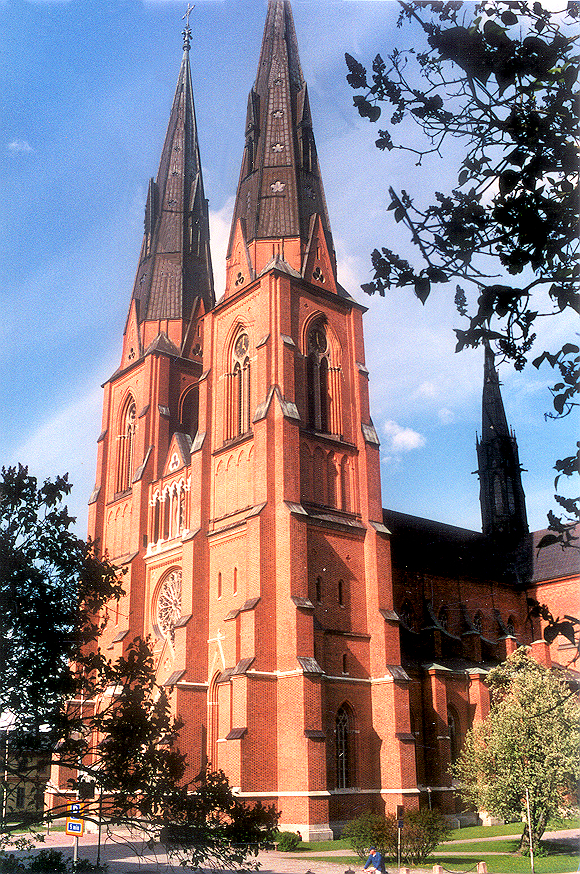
175 263
280 193
280 219
279 197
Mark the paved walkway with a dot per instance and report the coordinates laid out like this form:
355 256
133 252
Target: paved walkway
124 855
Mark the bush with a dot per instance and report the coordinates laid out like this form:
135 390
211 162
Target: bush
422 831
287 841
9 864
370 830
49 861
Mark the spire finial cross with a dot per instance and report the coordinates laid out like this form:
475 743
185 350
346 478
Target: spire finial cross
188 11
187 30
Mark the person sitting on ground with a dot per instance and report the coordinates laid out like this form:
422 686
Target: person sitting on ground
375 860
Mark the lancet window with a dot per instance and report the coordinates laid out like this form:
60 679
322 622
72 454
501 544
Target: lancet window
344 752
169 516
238 389
323 378
126 446
452 731
189 413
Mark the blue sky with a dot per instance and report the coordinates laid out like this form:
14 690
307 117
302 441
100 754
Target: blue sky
87 90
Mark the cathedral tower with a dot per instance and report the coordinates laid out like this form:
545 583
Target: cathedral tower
503 505
238 478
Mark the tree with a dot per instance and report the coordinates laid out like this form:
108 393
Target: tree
497 77
52 586
530 741
106 724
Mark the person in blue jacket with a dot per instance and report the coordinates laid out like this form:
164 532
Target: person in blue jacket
375 860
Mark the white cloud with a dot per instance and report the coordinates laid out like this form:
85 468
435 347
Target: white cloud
401 439
446 416
21 146
427 390
65 444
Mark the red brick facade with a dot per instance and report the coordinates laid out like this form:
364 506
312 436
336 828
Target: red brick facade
238 480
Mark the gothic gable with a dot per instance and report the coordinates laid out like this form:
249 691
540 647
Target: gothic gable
317 265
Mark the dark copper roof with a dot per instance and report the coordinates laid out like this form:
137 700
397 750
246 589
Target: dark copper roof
553 562
494 421
175 263
280 188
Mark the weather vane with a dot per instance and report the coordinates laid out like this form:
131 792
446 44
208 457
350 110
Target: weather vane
187 30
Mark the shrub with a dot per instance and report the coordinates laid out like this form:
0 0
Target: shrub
287 841
422 831
49 861
9 864
370 830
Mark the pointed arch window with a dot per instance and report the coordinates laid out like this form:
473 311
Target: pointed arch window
126 446
407 615
238 412
189 415
157 511
317 378
453 733
323 380
344 752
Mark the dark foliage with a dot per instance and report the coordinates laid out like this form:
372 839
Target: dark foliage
567 626
52 585
500 78
287 841
108 723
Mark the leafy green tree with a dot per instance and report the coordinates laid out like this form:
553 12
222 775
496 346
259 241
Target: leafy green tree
107 724
530 741
52 586
498 80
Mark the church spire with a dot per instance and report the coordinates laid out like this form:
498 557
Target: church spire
503 505
175 263
280 204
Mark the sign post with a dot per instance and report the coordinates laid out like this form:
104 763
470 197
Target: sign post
400 812
75 825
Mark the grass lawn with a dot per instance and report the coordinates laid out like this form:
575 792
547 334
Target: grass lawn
504 864
507 862
512 828
510 864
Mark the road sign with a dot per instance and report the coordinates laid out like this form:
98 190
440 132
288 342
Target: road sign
75 824
75 827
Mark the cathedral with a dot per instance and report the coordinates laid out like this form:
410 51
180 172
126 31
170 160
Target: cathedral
326 653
